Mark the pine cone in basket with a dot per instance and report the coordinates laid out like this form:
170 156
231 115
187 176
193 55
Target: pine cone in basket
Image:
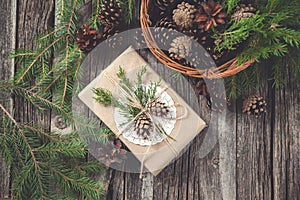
243 11
254 105
210 15
180 47
158 108
164 32
184 15
111 13
87 38
143 126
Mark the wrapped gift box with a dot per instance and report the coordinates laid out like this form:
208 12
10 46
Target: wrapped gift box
156 156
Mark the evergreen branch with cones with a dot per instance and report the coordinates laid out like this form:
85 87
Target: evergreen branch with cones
142 93
266 32
139 105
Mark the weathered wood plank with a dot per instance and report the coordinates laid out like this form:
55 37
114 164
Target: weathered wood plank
286 138
7 44
254 151
34 18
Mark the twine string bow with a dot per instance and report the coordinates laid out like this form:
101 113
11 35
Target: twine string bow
132 100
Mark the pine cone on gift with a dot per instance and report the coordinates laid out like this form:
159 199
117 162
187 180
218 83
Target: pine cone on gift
143 126
243 11
180 47
210 15
254 105
111 13
184 15
164 32
87 38
158 108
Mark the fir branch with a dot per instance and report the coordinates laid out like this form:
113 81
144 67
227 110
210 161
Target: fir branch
128 6
103 96
137 90
68 149
37 158
94 21
36 59
86 186
230 5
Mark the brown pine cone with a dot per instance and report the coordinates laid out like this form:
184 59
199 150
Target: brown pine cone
111 13
243 11
87 38
210 15
143 126
254 105
184 15
164 32
158 108
180 47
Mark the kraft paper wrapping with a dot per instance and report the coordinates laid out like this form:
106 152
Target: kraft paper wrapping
159 155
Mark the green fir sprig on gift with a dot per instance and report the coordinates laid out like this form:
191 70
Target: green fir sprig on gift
135 96
141 92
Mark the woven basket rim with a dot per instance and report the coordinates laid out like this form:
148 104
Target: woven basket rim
229 68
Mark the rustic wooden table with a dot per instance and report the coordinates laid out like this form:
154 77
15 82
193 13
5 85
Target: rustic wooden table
253 158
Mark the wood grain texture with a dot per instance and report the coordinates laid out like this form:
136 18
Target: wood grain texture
286 140
19 30
7 44
34 18
254 158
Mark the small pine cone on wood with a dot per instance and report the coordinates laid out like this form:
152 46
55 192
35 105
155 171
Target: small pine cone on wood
87 38
111 13
254 105
184 15
243 11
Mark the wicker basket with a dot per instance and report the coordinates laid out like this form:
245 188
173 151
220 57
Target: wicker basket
229 68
